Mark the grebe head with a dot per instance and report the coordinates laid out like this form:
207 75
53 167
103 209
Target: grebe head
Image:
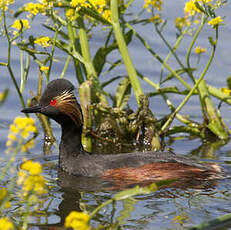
59 103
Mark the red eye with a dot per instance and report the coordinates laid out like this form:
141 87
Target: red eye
53 102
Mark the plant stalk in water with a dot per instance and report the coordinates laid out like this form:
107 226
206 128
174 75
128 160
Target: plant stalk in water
124 51
169 121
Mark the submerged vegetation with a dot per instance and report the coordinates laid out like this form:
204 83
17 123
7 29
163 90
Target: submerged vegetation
70 26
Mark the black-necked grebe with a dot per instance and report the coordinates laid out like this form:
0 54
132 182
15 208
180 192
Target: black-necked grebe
59 103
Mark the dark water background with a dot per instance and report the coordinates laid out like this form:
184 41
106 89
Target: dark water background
154 211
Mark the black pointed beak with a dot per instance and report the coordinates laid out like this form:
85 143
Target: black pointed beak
33 109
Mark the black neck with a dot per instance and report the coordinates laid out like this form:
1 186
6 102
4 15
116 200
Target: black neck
70 145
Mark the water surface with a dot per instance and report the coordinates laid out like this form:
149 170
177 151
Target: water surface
158 210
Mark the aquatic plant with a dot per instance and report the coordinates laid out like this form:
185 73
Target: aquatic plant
70 26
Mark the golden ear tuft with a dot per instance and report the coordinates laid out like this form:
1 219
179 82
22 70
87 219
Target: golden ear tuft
66 102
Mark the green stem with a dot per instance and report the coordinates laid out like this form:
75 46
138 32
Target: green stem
169 103
85 50
9 61
169 121
85 101
3 64
44 121
221 222
101 206
73 40
83 38
145 43
24 71
203 21
65 66
124 50
172 50
52 55
26 214
10 190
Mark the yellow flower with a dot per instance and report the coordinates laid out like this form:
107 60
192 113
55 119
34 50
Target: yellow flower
190 8
34 8
48 3
4 4
156 4
33 199
23 122
226 91
31 181
23 126
199 50
180 22
21 177
24 134
8 143
107 15
7 205
3 193
21 24
156 19
35 183
1 96
80 3
99 5
34 168
5 224
71 14
215 21
29 144
12 137
14 129
77 221
43 41
196 21
181 219
44 68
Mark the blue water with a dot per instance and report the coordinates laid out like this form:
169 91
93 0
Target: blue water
155 211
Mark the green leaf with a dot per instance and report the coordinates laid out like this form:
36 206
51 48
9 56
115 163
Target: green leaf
125 213
100 56
198 6
3 96
211 11
216 125
104 84
66 48
171 89
179 71
228 80
131 192
217 129
115 64
60 32
19 11
94 14
212 42
123 93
